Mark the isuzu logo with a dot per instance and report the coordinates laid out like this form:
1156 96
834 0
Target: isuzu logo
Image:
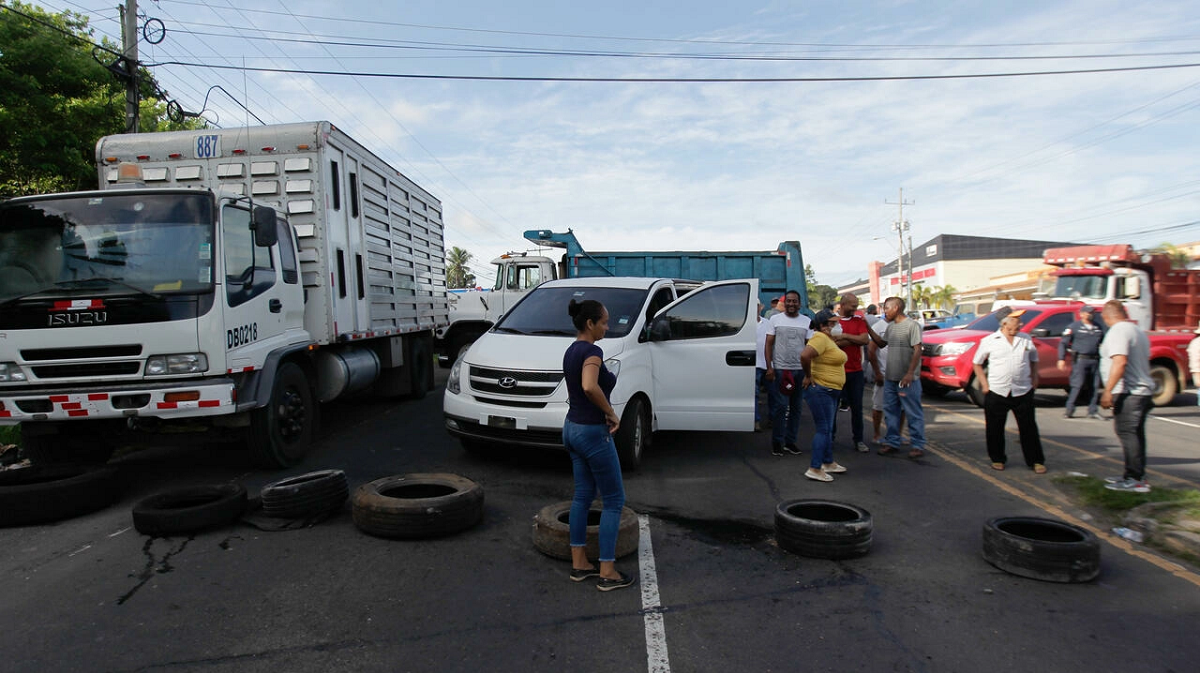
508 382
75 318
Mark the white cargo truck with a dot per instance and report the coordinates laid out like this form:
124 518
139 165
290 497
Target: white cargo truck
221 280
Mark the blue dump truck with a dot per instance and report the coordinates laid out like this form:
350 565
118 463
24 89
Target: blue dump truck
473 313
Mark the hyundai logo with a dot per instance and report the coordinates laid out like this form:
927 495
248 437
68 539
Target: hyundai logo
507 382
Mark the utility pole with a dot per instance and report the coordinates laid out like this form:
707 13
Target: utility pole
129 39
900 226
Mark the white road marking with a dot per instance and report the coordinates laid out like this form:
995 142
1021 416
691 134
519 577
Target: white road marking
119 532
81 549
1172 420
657 660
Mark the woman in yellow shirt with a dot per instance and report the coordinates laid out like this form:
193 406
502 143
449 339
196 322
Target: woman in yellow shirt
824 375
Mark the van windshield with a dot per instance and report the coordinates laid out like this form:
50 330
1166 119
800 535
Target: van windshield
544 310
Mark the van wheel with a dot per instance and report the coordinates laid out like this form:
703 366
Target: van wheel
1165 385
281 432
974 391
634 434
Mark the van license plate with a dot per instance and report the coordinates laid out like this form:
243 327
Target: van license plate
502 422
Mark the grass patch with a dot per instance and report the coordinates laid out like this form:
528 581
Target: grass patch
10 434
1091 490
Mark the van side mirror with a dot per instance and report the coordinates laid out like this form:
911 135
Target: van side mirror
1040 332
660 329
262 223
1133 288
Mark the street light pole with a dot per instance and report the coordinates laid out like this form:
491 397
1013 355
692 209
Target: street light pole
900 226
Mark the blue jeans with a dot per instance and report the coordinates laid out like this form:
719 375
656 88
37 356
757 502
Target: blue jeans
785 409
823 402
908 400
596 467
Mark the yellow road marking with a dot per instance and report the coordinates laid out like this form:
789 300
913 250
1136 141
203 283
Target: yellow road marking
1085 452
1120 543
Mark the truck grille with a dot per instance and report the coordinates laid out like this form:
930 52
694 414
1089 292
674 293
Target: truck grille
84 353
514 382
927 349
82 370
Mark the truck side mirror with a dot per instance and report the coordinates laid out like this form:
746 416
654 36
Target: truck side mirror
1040 332
1133 287
262 223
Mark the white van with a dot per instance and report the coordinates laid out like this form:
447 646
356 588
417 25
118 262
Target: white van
682 351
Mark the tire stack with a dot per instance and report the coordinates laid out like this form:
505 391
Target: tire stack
823 529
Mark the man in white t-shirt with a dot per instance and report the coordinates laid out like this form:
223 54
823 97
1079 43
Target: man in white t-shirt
787 334
1128 391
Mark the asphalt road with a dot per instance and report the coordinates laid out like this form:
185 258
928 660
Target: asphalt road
91 594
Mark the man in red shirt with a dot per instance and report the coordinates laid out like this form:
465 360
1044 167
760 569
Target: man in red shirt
854 335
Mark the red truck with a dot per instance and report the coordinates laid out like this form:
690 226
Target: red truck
1164 301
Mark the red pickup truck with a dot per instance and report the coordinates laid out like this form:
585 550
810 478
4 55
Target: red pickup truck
946 362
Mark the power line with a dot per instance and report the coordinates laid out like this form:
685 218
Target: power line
682 80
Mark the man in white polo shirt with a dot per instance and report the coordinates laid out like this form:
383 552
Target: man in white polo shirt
1008 385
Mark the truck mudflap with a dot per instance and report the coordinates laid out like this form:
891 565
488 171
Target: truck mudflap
211 398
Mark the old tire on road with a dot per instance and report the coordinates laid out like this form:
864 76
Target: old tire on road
305 495
552 533
189 509
1041 549
633 436
281 432
823 529
412 506
38 494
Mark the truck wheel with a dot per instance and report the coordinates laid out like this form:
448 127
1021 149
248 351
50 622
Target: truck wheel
634 434
823 529
552 532
974 391
1041 549
281 432
417 505
420 364
77 443
453 350
38 494
189 509
306 495
1165 385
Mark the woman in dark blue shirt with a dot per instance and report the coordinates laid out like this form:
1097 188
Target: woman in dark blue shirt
587 434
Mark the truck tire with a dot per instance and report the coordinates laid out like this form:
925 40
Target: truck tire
281 432
552 531
1166 385
38 494
633 436
189 509
974 391
1041 549
455 348
69 442
413 506
305 495
823 529
420 363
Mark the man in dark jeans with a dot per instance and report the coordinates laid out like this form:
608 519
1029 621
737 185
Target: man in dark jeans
1128 391
851 335
1082 339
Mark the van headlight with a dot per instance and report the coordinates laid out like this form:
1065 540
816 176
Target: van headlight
180 363
613 365
452 383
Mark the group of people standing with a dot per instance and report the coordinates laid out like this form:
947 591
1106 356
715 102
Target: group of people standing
823 361
1110 362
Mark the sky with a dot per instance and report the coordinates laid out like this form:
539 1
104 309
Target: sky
1108 157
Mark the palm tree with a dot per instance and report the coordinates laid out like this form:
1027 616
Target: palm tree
457 273
919 295
944 296
1179 258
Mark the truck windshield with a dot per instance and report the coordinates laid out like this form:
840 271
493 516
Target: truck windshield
106 245
1081 287
544 310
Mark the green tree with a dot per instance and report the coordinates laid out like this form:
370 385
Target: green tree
1179 258
943 296
57 100
919 296
457 273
